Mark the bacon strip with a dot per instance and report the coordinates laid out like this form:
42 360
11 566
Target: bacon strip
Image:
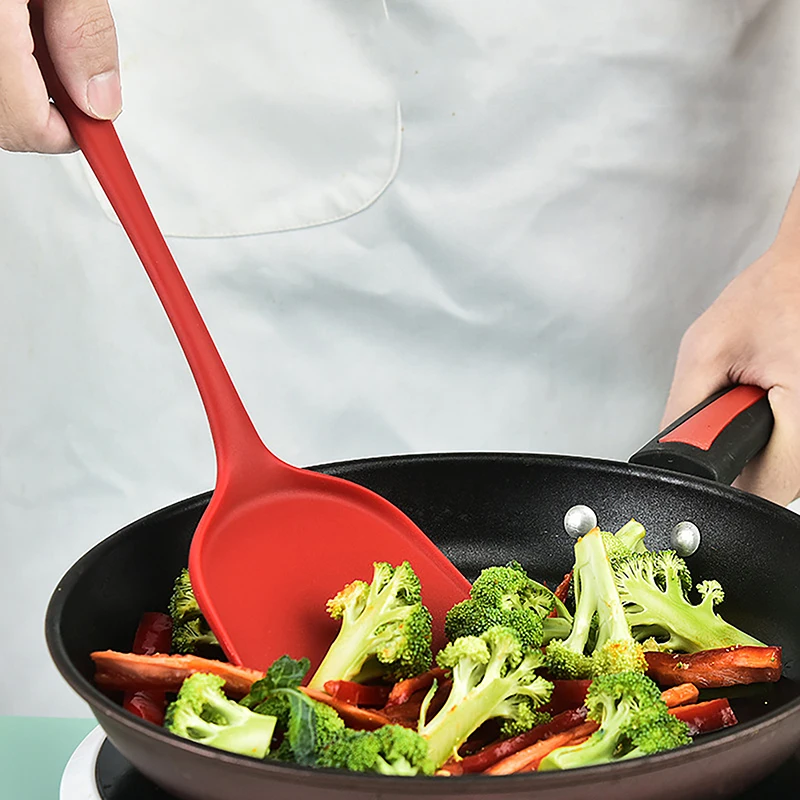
131 672
727 666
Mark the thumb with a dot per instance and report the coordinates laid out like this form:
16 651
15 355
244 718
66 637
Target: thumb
82 42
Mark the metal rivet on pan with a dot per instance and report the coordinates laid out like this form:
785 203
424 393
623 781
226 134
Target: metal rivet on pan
579 520
685 538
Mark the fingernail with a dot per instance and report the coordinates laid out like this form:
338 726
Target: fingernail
104 95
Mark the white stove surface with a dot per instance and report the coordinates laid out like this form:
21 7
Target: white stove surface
78 781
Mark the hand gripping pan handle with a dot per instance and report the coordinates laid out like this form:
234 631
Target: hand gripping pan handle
716 439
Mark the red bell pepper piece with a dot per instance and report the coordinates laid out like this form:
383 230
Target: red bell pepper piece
131 672
529 758
357 694
481 761
154 635
567 694
562 590
706 717
726 666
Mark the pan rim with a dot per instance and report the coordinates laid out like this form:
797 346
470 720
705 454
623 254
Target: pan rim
102 706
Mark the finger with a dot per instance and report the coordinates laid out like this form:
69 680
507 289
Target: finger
28 122
775 472
82 42
699 372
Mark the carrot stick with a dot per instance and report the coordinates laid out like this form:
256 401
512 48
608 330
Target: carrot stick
726 666
403 690
680 695
534 765
353 716
519 761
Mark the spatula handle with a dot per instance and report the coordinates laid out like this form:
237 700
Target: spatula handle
235 438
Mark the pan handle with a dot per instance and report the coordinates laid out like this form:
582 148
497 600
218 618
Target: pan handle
716 438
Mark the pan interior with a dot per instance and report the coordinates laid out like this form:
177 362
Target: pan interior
480 510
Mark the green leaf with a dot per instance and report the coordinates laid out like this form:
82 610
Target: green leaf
302 728
286 673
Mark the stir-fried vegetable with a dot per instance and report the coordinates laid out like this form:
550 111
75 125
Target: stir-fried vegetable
531 680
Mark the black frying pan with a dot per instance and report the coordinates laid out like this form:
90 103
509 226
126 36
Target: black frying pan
484 509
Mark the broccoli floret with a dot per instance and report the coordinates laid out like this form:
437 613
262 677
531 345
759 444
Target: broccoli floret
472 618
191 633
202 713
195 637
306 725
634 721
492 676
312 726
616 550
507 596
509 587
663 733
652 589
389 750
386 631
527 717
613 648
182 604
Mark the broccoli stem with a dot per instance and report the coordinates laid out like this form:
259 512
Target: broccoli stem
632 534
691 627
612 624
353 644
465 712
585 602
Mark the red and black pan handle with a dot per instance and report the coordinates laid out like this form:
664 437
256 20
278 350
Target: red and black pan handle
716 438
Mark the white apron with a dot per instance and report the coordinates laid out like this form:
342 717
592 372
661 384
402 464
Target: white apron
421 226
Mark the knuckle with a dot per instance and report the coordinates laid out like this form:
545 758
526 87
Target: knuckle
84 26
698 342
24 136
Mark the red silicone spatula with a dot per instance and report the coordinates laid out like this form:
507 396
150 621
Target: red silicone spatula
276 541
